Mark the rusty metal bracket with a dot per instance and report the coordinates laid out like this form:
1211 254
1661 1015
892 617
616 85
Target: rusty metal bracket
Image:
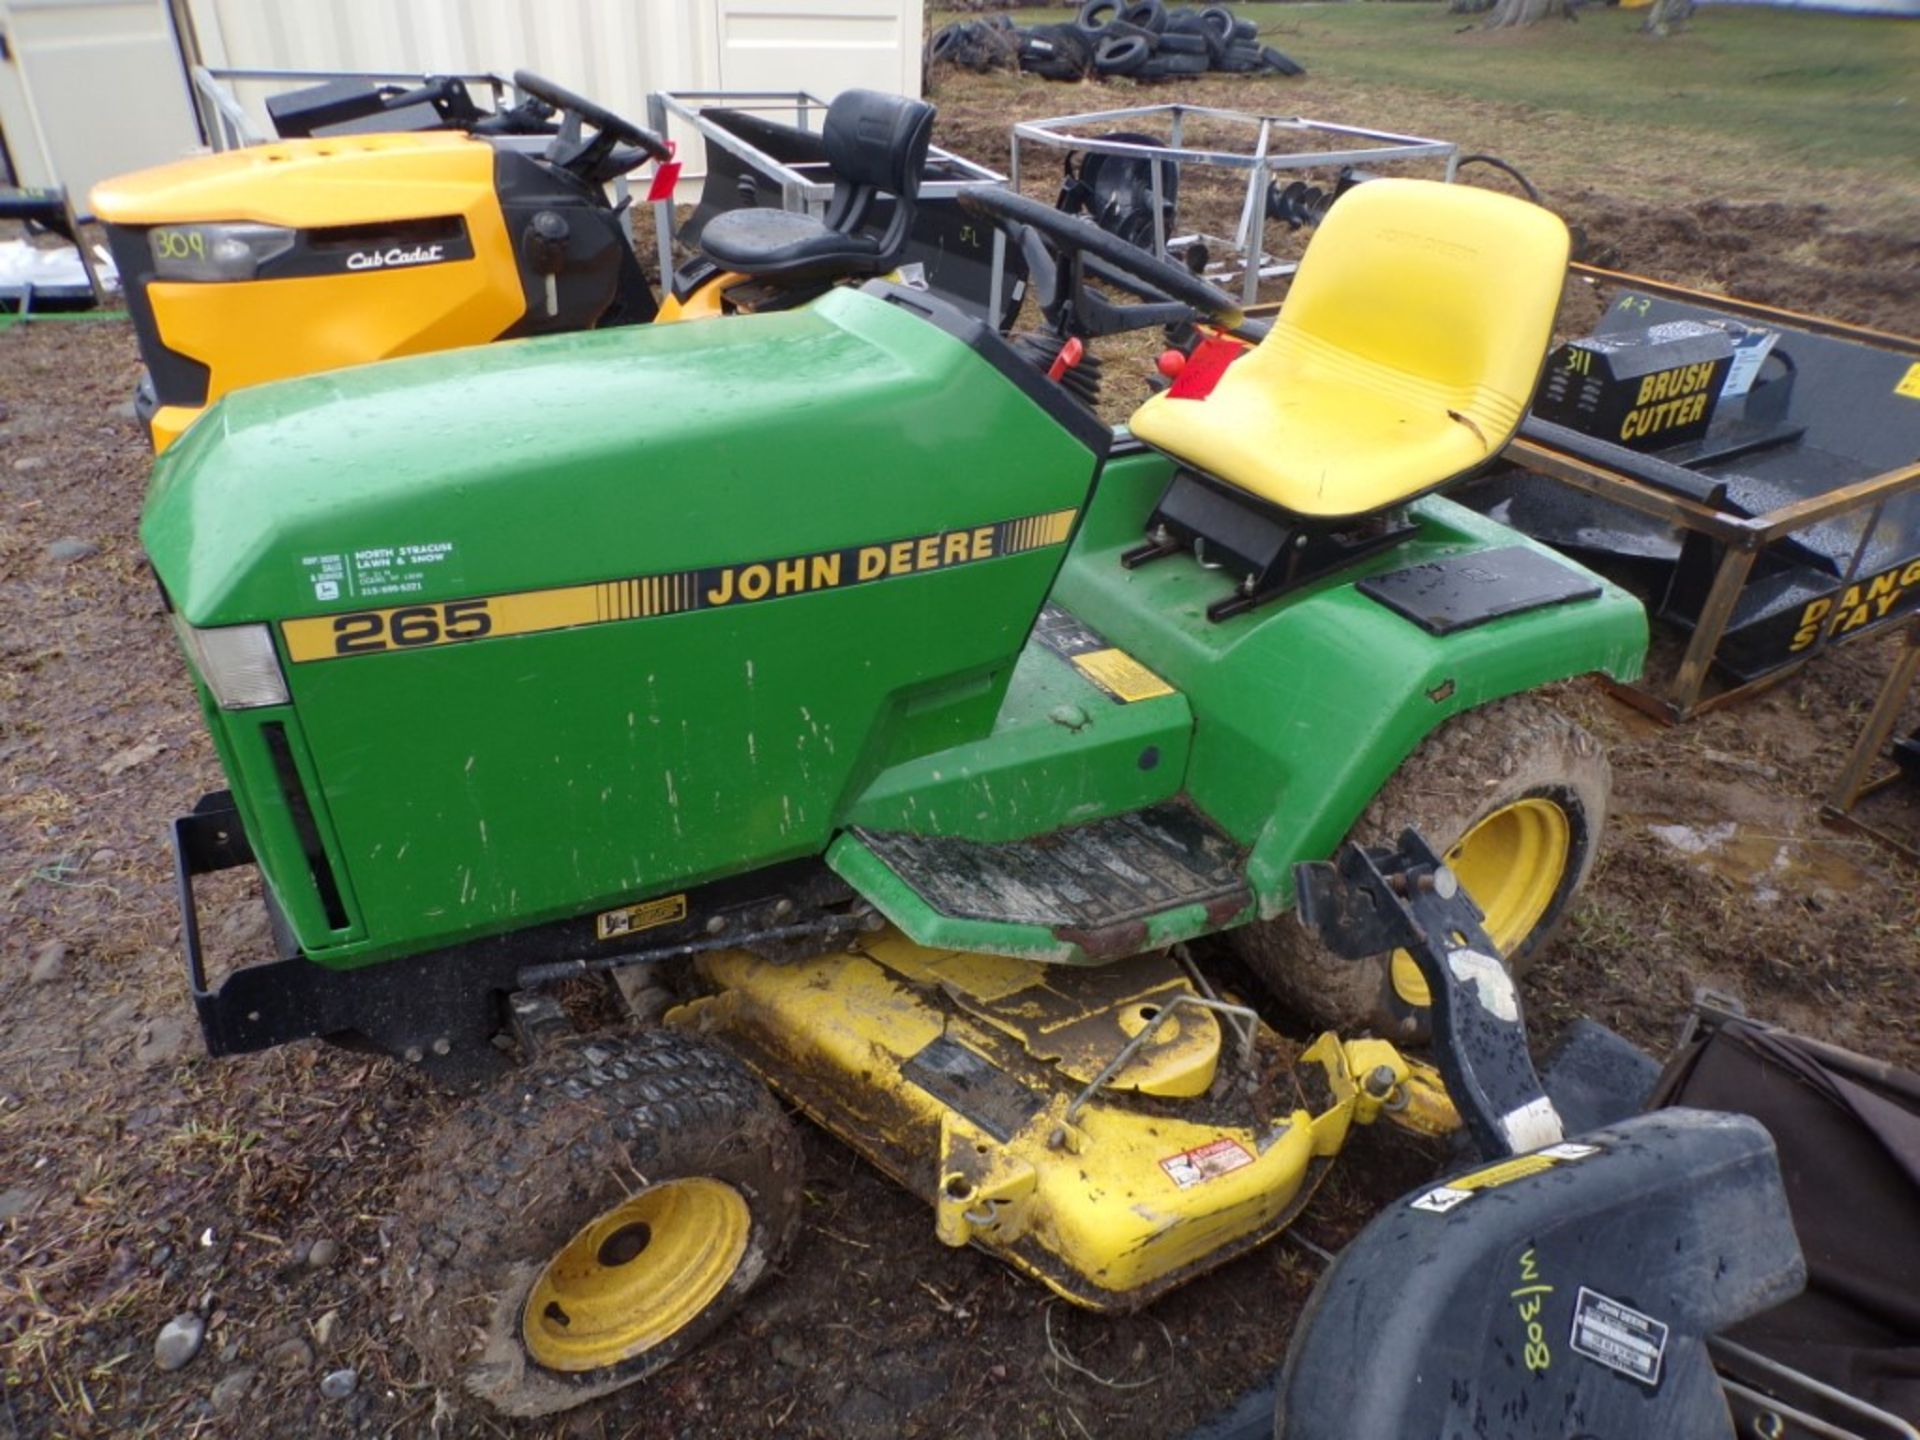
1857 778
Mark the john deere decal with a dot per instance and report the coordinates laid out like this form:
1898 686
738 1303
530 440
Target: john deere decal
373 632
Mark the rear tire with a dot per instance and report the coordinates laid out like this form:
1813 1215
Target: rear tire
593 1219
1527 790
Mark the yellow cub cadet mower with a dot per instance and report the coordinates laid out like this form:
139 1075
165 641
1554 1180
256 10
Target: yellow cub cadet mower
317 253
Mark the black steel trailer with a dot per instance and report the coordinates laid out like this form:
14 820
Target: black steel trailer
1791 525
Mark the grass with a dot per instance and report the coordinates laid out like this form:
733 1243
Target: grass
1810 87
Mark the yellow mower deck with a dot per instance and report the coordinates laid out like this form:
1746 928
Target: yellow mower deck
970 1079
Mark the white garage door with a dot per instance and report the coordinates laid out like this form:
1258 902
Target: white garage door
824 46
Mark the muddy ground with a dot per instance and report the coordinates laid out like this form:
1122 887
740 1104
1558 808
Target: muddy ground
139 1180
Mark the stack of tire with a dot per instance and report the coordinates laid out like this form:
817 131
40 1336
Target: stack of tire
979 45
1144 39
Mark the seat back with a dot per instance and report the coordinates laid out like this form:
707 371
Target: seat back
876 145
1444 283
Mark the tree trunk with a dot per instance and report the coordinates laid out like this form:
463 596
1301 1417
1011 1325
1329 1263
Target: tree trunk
1666 16
1526 12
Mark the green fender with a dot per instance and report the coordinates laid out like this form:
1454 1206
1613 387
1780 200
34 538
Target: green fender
1304 708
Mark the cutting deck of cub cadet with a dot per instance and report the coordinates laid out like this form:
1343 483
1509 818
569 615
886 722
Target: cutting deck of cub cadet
832 680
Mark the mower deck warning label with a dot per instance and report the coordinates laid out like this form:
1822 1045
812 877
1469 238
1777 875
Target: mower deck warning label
1206 1162
1618 1337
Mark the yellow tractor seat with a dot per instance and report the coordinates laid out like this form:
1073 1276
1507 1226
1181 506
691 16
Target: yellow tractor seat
1405 355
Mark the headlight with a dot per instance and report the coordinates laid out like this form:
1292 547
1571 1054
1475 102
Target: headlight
215 252
237 662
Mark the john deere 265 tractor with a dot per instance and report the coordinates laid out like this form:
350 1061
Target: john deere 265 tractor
886 726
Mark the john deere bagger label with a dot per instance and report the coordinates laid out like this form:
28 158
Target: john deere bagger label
1618 1337
527 612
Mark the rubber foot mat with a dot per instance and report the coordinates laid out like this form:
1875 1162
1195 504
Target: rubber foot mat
1086 880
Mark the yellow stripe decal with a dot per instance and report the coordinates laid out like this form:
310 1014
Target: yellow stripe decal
528 612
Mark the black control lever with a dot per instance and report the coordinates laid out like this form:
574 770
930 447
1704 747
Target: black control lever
1368 901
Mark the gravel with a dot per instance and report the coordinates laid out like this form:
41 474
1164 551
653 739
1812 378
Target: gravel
179 1341
49 963
234 1389
339 1384
71 548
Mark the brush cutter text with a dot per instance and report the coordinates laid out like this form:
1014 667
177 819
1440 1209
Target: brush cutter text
1667 399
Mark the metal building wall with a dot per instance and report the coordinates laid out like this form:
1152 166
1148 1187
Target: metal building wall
613 50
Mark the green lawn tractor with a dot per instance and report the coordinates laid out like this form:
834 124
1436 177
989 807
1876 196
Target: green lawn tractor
885 726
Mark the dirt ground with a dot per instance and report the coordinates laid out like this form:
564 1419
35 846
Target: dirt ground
138 1179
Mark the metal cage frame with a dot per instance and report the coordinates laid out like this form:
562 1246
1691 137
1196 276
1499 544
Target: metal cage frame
1260 161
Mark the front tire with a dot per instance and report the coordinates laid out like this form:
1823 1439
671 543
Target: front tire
1515 795
594 1219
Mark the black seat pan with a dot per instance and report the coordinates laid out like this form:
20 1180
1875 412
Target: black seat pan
763 241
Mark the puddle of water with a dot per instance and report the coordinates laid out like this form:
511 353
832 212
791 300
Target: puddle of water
1689 841
1771 864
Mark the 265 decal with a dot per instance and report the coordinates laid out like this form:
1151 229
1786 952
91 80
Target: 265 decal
410 625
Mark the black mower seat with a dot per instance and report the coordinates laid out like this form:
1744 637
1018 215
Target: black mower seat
764 241
876 145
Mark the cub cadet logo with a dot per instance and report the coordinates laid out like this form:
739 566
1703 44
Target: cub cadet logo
1872 599
1669 398
406 627
398 255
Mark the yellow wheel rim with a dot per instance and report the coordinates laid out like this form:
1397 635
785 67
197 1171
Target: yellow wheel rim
635 1275
1512 864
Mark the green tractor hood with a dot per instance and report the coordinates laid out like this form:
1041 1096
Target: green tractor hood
568 621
